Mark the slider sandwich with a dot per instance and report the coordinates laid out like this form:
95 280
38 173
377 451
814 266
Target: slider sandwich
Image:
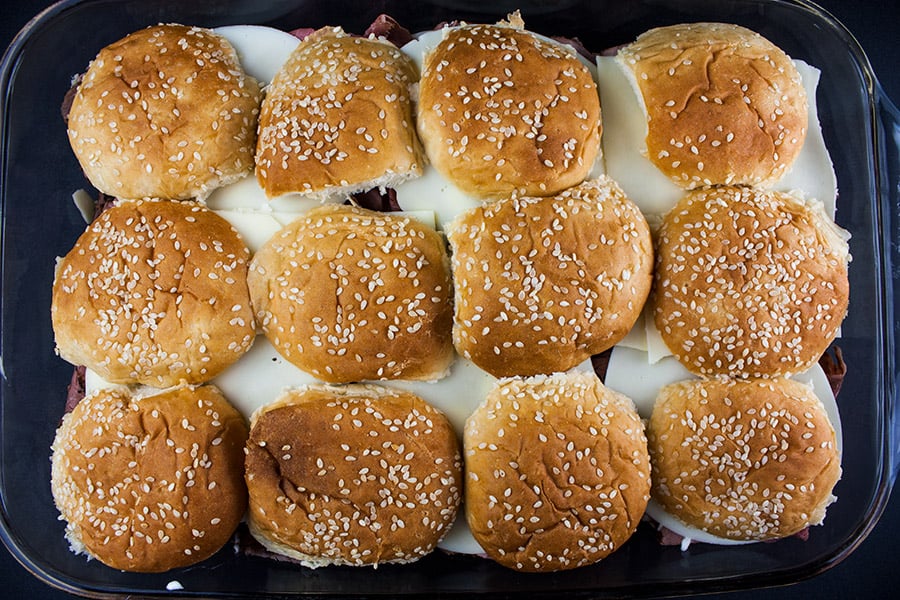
557 472
743 460
723 105
503 111
355 475
150 483
166 112
349 294
337 119
542 284
154 292
749 283
700 104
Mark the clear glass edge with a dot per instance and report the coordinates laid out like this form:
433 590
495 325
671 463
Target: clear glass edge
884 116
888 144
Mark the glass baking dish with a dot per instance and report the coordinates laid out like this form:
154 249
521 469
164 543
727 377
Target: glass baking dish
39 222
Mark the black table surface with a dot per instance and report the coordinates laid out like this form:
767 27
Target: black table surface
873 570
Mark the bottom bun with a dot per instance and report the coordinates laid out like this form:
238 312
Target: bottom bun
743 460
353 475
151 483
557 472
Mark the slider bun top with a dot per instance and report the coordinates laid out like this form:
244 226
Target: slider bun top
749 283
502 112
166 112
150 483
348 294
154 292
352 475
743 460
724 105
337 119
557 471
541 284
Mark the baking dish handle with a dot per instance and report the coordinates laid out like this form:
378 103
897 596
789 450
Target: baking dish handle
889 182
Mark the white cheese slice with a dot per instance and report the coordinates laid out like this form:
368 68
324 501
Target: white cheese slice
247 195
261 50
433 192
255 227
812 174
459 539
84 202
261 375
656 347
457 395
629 373
624 130
637 336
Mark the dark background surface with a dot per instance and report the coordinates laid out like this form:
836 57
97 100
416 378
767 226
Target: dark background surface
873 570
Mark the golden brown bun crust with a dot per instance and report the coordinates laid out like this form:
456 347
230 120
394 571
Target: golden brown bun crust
356 92
724 105
348 294
749 283
566 457
568 278
166 112
743 460
352 475
154 292
150 484
502 112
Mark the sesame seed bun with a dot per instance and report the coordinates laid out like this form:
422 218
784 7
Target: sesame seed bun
749 283
150 483
503 111
352 475
154 292
166 112
349 294
743 460
337 119
557 472
541 284
723 104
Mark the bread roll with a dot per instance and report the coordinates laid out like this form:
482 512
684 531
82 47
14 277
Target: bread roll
723 104
166 112
557 472
150 483
743 460
504 112
749 283
541 284
348 294
353 475
338 119
154 292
